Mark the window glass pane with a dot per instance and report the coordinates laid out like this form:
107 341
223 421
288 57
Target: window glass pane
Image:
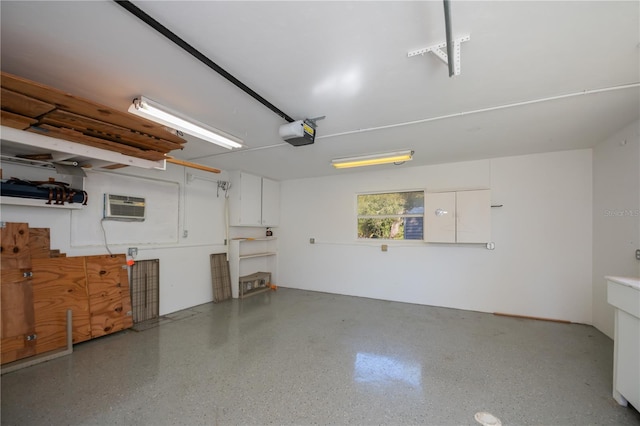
391 216
389 203
413 228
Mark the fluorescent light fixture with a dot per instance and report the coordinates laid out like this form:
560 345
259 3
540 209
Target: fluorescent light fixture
372 160
153 111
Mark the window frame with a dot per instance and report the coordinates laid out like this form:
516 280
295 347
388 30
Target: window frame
388 240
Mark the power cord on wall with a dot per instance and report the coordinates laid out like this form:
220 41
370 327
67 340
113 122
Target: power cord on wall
225 186
104 233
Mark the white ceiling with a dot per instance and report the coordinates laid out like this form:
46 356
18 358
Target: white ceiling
348 61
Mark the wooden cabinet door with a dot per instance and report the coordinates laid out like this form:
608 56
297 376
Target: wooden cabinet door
17 321
109 295
440 217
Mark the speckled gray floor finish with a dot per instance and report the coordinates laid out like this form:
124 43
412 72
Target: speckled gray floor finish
298 357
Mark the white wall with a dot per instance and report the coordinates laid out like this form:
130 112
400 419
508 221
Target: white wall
174 204
616 216
543 234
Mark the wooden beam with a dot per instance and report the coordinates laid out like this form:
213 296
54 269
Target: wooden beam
75 136
22 104
16 121
67 102
111 132
77 149
192 165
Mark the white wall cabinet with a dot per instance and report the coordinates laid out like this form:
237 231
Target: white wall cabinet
253 200
458 217
248 256
624 295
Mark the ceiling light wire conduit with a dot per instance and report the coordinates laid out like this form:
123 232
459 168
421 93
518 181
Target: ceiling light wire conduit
137 12
488 109
443 117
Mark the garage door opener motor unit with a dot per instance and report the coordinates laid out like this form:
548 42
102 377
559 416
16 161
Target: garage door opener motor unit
300 132
123 207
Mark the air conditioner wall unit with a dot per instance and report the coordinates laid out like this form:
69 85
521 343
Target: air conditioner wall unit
124 207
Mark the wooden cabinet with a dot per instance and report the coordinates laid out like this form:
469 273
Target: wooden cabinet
249 256
458 217
253 200
39 285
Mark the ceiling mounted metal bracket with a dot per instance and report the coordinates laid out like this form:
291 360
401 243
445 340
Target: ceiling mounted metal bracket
436 49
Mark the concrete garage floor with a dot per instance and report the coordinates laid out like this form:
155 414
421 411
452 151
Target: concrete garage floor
300 357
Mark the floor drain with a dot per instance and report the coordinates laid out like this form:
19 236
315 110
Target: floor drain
487 419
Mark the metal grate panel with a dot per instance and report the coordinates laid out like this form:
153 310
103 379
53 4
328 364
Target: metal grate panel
145 289
220 277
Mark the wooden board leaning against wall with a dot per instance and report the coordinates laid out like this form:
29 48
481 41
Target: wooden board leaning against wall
39 285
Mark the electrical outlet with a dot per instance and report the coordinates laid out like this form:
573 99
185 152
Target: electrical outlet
312 240
638 254
384 247
133 251
185 233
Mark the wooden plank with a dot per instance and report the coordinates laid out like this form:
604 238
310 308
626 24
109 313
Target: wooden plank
60 284
112 132
23 105
75 104
15 246
17 320
192 165
16 294
16 121
39 243
108 286
17 308
74 136
114 166
56 253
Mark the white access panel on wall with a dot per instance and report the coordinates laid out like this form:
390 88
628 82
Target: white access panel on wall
270 202
458 217
473 215
440 217
253 200
245 204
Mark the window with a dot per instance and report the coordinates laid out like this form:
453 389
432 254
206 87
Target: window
391 215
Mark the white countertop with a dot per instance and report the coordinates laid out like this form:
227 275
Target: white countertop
629 282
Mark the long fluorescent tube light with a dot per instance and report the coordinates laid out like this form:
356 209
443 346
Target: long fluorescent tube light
153 111
372 160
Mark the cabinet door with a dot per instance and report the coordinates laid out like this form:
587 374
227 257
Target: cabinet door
473 214
440 217
270 202
250 200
